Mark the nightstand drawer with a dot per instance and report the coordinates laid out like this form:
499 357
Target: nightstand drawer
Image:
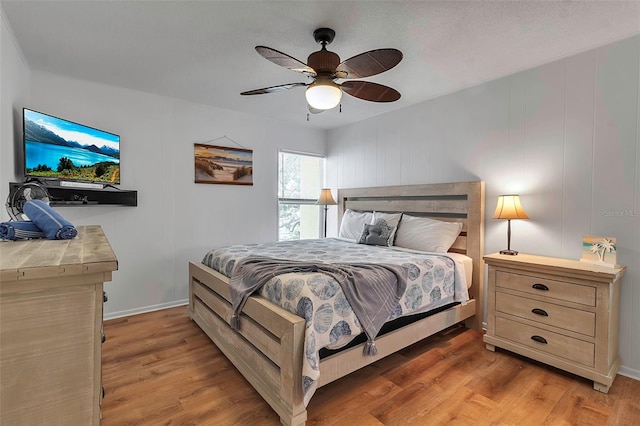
582 294
546 341
547 313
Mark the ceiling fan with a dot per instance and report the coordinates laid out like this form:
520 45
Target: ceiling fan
324 69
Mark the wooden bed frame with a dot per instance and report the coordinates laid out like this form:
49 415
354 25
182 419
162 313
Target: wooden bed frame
268 350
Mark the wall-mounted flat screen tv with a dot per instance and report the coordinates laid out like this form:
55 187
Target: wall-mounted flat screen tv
63 150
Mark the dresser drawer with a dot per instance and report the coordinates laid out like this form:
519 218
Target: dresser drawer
556 344
582 294
547 313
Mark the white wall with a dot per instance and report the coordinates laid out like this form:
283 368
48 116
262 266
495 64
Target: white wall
176 220
564 136
14 90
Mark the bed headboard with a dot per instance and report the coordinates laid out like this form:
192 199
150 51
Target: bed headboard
456 201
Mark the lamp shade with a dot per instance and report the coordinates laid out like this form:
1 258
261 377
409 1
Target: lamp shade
509 207
323 94
326 199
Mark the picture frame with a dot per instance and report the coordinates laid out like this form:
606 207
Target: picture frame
599 251
215 164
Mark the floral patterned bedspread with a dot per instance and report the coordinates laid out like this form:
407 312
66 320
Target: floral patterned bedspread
433 280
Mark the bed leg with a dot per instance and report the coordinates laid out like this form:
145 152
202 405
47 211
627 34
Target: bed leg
298 420
292 353
190 307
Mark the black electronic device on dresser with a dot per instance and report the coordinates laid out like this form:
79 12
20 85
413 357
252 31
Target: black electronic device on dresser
60 195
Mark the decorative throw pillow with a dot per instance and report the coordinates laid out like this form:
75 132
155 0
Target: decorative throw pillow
353 222
376 235
424 234
383 230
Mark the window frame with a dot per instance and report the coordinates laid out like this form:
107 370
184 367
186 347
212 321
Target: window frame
300 201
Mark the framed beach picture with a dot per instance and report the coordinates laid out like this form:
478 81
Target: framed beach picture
599 250
223 165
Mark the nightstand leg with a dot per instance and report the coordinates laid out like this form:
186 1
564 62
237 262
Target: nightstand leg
601 388
491 348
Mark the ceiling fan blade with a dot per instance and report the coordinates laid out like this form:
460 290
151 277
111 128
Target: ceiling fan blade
369 63
273 89
284 60
369 91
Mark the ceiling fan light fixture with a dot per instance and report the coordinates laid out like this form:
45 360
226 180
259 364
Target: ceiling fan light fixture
324 68
323 94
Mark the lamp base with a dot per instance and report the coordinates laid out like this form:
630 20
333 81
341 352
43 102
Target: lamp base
509 252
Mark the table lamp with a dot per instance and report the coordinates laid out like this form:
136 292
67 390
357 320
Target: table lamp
326 200
509 207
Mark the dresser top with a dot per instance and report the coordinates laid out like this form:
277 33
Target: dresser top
89 252
556 264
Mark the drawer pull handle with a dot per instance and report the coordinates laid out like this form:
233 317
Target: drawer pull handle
539 286
540 312
539 339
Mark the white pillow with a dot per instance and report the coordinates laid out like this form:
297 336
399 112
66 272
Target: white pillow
424 234
390 219
353 223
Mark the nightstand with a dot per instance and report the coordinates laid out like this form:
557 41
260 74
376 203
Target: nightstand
560 312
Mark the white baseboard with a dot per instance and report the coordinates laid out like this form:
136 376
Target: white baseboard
629 372
136 311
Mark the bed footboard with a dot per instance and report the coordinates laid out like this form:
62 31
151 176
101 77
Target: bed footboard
268 348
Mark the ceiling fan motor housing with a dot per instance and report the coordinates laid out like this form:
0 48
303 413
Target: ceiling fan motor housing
323 61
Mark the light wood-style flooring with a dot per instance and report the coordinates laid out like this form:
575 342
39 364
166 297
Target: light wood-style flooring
159 368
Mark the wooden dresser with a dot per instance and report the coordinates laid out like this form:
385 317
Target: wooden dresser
558 311
50 328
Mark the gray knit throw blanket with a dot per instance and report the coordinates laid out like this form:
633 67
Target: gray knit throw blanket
372 290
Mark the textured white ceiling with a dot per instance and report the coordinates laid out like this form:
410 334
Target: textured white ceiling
204 51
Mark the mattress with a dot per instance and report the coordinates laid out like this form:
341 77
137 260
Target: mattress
433 280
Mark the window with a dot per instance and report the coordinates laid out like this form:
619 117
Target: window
299 185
